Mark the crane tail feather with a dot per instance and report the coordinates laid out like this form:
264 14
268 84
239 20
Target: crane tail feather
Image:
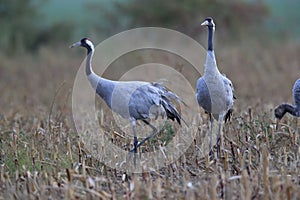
228 115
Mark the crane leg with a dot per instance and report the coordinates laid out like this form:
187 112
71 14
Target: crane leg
211 152
137 144
154 133
220 135
135 141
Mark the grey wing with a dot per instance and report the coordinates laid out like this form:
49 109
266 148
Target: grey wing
144 100
229 91
229 97
149 101
168 94
167 99
296 92
203 95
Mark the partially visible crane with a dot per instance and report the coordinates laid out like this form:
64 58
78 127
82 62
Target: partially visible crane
214 90
288 108
133 100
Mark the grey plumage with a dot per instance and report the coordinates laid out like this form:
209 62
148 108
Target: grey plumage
296 93
292 109
214 90
203 96
133 100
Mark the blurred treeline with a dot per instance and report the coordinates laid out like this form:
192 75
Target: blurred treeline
233 16
23 26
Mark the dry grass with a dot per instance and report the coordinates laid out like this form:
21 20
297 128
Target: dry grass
42 158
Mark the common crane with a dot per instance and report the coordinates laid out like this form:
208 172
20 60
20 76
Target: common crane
285 107
133 100
214 90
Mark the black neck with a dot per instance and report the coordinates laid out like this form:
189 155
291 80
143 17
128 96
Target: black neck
210 38
288 108
89 50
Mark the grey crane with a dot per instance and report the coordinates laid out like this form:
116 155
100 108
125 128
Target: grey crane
294 110
133 100
214 90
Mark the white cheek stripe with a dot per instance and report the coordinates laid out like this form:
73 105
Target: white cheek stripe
90 44
213 23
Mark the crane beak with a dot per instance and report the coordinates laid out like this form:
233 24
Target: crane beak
77 44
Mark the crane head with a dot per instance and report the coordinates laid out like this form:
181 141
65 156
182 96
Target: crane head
84 42
208 22
279 113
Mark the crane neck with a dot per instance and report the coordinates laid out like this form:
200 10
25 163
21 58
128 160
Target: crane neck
211 30
93 78
88 67
211 68
288 108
